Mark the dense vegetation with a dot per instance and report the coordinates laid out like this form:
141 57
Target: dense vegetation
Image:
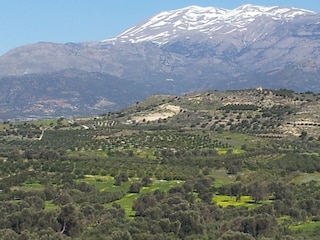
230 172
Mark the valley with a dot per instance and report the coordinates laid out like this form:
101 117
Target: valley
196 123
205 165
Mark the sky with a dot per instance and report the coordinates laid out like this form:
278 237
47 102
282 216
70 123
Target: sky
31 21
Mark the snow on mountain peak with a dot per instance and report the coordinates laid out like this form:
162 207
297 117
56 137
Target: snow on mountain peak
171 24
275 12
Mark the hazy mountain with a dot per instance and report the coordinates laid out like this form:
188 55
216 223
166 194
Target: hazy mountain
183 50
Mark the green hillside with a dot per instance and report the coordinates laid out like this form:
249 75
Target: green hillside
210 165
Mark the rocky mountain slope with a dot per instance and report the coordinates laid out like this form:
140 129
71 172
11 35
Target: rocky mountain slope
179 51
66 93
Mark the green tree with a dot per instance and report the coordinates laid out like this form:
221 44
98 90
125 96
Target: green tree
146 181
8 234
143 202
232 235
134 188
236 190
35 202
70 221
120 235
303 135
258 191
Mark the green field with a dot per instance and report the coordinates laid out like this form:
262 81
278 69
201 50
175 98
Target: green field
245 201
127 201
306 227
81 183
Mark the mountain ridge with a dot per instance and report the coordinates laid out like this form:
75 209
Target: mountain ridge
266 52
204 19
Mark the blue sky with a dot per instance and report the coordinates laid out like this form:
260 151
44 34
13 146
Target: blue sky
30 21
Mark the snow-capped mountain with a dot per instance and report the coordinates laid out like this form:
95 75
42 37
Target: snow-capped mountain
211 21
174 52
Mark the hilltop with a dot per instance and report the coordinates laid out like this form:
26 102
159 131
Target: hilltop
265 112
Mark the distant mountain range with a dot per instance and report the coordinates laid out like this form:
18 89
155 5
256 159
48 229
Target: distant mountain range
174 52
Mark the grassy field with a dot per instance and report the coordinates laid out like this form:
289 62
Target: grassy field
28 187
105 183
245 201
221 177
127 201
306 227
50 206
307 177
